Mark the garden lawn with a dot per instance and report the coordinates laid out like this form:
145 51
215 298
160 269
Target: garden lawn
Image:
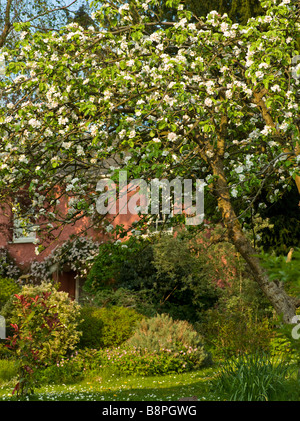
114 388
275 383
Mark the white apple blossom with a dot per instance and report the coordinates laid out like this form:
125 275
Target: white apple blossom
208 102
172 136
275 88
259 74
34 123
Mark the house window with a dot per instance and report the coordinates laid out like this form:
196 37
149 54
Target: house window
160 223
24 231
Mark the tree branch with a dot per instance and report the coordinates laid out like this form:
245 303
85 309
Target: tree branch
7 24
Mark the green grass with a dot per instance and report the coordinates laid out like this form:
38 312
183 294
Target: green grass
129 388
7 370
233 380
257 377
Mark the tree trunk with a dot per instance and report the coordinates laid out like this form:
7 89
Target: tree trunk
283 304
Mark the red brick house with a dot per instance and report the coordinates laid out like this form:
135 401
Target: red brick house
22 248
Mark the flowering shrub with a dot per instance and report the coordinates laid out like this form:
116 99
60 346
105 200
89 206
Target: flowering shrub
30 341
123 360
162 332
77 255
61 341
8 265
145 362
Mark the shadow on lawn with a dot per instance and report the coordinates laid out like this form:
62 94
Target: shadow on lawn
91 391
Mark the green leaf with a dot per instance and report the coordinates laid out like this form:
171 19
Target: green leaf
161 125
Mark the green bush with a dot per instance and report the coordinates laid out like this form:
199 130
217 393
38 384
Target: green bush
8 287
236 330
163 333
106 327
5 353
123 361
60 343
67 371
127 360
181 284
141 301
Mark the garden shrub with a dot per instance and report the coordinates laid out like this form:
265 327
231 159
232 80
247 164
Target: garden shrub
8 370
37 322
235 330
128 360
58 344
74 254
8 265
163 333
68 370
123 361
286 339
4 352
181 284
8 287
106 327
141 301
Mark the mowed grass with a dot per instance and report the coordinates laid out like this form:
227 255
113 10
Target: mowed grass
204 384
110 387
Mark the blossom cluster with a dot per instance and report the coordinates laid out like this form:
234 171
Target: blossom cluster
77 255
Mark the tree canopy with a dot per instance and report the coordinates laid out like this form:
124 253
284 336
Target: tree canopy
44 15
237 10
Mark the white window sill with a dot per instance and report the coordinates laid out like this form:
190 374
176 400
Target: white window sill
24 240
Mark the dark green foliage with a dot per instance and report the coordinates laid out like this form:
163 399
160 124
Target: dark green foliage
164 271
238 10
8 287
106 327
284 230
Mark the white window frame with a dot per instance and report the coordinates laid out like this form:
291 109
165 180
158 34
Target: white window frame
160 220
23 234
